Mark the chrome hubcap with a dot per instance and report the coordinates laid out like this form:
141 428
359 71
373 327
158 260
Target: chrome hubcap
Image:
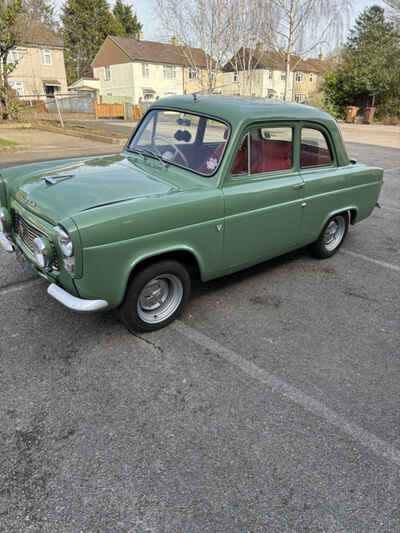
159 298
334 233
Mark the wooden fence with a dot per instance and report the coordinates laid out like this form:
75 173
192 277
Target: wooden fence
110 110
125 111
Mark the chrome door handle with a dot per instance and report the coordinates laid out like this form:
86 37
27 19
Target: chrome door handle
298 185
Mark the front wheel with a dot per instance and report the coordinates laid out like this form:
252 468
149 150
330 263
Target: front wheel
332 237
156 296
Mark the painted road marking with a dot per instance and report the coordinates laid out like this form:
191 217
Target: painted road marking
392 169
368 440
371 260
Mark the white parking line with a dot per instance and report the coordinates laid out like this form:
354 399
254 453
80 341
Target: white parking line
19 286
396 268
392 169
365 438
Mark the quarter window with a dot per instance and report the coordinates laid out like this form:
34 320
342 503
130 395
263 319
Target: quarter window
315 150
266 149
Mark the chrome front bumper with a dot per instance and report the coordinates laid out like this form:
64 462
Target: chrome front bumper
6 243
74 303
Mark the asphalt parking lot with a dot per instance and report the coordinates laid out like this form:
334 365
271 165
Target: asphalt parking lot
271 406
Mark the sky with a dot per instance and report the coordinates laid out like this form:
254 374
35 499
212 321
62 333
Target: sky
145 10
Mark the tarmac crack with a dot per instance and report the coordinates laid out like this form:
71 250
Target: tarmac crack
19 286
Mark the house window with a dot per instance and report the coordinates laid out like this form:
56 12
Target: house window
169 72
311 77
283 75
299 76
14 56
235 77
145 70
18 86
270 74
193 73
299 97
45 56
107 73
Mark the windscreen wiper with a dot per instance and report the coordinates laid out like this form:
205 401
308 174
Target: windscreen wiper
146 151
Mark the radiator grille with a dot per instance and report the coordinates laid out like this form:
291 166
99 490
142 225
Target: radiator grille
27 233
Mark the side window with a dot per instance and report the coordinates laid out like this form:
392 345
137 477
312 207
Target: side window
314 150
271 149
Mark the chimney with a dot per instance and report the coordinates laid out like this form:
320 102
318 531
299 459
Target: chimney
139 36
174 41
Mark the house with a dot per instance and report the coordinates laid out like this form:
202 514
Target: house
138 71
257 73
308 76
39 59
260 73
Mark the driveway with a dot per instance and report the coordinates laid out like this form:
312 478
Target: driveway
271 406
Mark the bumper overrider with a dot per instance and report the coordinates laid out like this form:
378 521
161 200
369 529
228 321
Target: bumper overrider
58 293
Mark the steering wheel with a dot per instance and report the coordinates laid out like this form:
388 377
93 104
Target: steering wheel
175 148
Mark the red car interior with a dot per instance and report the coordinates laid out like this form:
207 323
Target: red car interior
266 156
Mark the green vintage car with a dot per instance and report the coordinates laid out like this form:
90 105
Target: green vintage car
204 187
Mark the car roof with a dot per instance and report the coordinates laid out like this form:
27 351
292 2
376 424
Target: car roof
237 110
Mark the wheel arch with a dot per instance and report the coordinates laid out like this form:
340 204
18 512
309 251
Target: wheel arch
352 213
184 255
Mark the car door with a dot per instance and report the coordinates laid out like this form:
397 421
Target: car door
325 187
263 197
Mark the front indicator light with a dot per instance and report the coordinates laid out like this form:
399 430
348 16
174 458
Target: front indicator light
42 251
64 241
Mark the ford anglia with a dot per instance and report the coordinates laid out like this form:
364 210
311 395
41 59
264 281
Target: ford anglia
204 187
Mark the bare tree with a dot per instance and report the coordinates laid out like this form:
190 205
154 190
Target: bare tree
199 23
252 26
394 10
304 25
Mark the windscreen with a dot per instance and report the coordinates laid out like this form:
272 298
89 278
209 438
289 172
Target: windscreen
191 141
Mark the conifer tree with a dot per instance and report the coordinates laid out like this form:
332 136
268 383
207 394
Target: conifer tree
124 14
86 24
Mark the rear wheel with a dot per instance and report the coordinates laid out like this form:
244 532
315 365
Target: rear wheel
332 237
156 296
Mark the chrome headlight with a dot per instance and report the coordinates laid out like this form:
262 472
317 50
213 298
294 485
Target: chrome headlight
65 242
42 251
5 220
66 247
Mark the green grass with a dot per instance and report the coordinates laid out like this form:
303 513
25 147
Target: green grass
3 142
